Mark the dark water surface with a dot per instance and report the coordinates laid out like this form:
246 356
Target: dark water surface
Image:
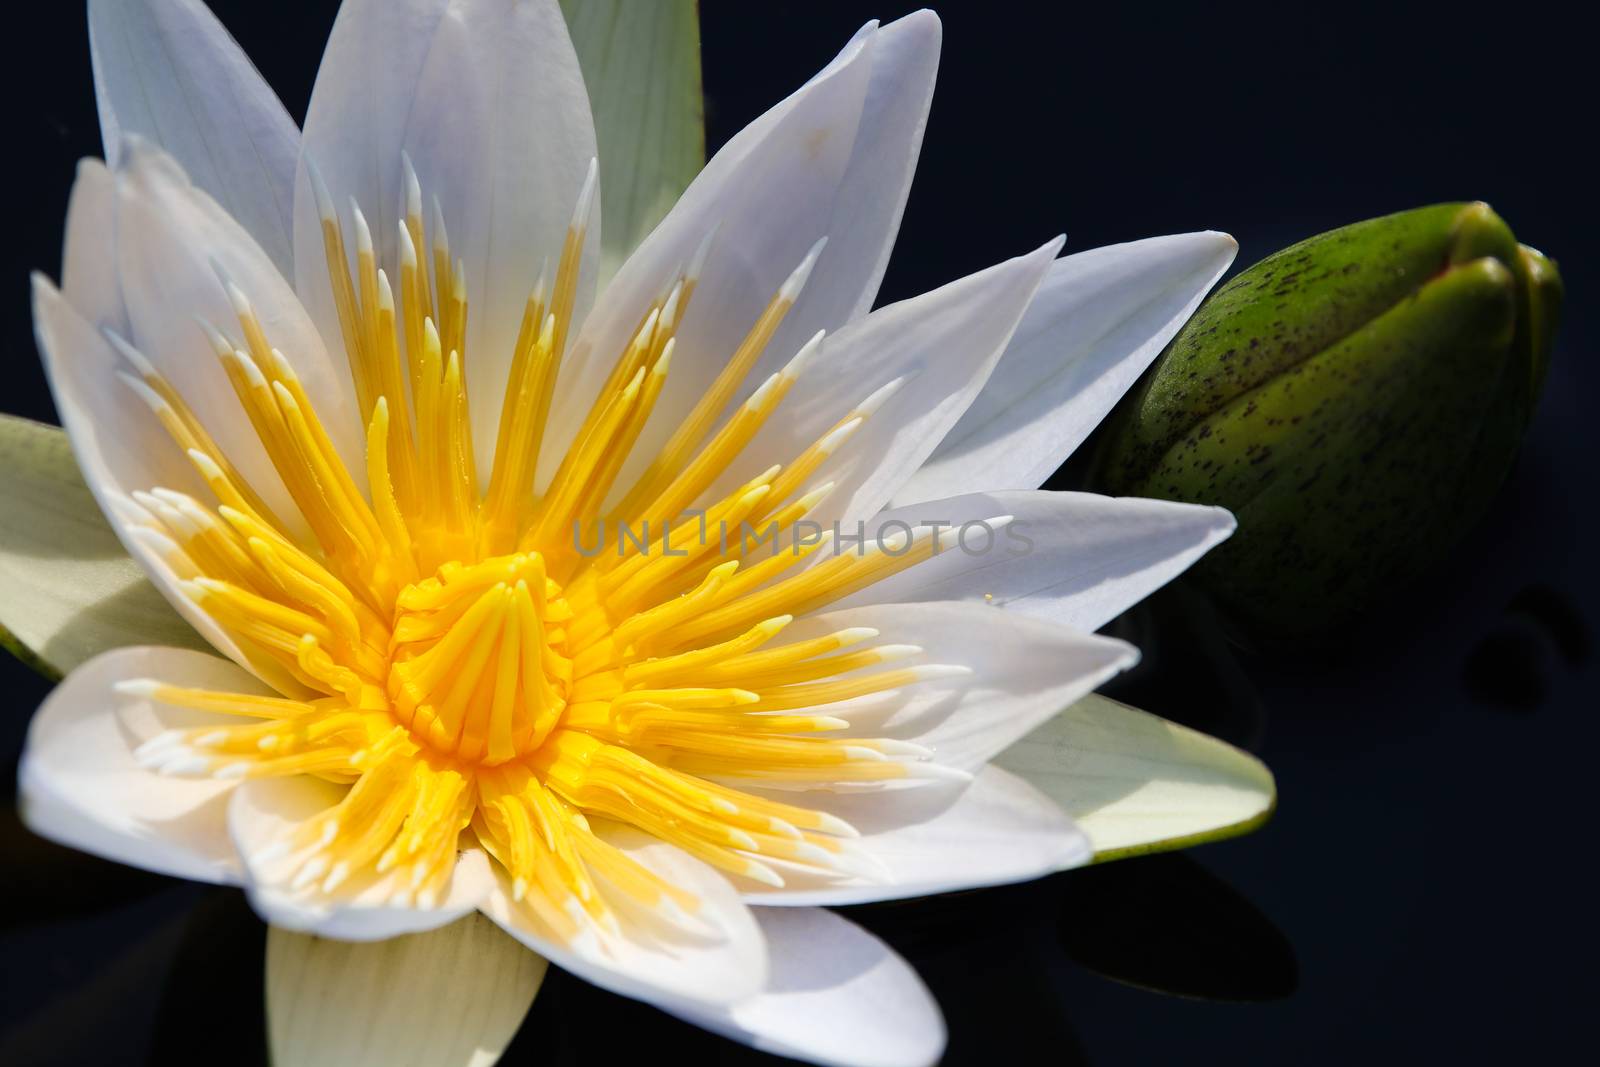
1424 890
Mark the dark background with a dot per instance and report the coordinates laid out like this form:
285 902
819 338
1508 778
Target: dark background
1424 890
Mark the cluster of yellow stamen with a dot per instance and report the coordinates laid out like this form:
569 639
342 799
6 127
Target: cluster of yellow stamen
448 647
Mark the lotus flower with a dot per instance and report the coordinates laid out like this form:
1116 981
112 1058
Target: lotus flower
353 399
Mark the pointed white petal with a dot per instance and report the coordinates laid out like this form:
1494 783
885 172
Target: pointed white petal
872 194
1098 320
168 71
641 65
722 962
1021 672
451 997
89 253
79 361
178 253
80 785
1073 558
487 99
68 591
266 811
837 995
1136 783
934 351
995 831
833 160
119 445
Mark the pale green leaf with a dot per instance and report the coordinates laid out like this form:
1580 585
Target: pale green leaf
68 591
1136 783
449 997
641 63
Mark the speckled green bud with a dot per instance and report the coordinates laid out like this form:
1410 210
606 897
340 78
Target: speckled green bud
1355 400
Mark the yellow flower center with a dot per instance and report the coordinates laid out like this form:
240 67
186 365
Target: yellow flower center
479 668
453 652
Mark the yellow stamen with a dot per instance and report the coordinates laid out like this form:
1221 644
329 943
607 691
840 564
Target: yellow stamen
694 428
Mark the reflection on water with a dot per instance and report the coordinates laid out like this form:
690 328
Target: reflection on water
1165 924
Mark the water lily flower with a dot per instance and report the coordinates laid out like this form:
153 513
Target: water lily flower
353 399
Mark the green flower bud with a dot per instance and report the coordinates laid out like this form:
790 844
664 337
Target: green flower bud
1354 400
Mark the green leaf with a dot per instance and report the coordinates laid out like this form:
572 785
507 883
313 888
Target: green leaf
68 591
641 63
449 997
1136 783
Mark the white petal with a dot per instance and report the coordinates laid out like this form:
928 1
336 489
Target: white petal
487 99
265 811
67 589
120 447
833 160
168 71
724 962
997 830
79 361
837 995
80 784
172 239
940 347
89 254
871 196
1136 783
1098 320
641 66
1073 558
1023 671
450 997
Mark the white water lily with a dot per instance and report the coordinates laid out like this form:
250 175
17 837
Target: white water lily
352 400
